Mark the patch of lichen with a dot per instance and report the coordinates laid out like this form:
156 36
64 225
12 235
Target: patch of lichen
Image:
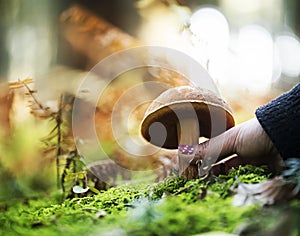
172 207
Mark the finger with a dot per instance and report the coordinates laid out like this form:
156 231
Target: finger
219 147
274 164
222 167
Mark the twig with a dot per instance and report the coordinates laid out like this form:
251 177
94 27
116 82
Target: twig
31 92
58 120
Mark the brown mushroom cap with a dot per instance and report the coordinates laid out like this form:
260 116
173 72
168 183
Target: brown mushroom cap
213 113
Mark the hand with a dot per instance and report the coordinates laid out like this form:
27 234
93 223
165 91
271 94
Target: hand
248 140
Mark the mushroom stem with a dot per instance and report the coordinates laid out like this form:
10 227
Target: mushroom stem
188 134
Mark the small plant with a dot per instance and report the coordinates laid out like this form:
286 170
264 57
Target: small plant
292 173
59 143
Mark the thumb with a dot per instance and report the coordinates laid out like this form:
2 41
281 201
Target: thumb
220 149
221 146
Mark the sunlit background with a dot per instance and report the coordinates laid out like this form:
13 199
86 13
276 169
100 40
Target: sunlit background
250 48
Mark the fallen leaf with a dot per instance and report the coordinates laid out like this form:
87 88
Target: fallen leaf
268 192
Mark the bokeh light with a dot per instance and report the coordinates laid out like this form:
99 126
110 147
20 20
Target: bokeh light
255 57
288 48
210 29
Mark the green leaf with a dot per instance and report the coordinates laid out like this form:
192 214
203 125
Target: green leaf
69 177
288 172
94 190
80 175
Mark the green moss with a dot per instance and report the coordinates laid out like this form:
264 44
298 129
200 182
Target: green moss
244 174
174 216
172 207
169 186
72 217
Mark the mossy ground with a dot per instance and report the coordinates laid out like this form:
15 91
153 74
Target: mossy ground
172 207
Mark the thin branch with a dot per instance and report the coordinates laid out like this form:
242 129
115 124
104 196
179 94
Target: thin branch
31 93
58 120
36 101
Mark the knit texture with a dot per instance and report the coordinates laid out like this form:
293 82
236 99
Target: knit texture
280 119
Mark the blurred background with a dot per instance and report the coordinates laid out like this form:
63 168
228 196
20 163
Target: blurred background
244 45
250 48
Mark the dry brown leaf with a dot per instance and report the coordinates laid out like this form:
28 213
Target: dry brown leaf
268 192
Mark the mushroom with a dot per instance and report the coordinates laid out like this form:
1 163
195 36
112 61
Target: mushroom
179 116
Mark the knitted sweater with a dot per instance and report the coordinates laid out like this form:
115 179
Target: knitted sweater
280 119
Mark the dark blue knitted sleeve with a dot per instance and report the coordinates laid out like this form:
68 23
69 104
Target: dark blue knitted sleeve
281 120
